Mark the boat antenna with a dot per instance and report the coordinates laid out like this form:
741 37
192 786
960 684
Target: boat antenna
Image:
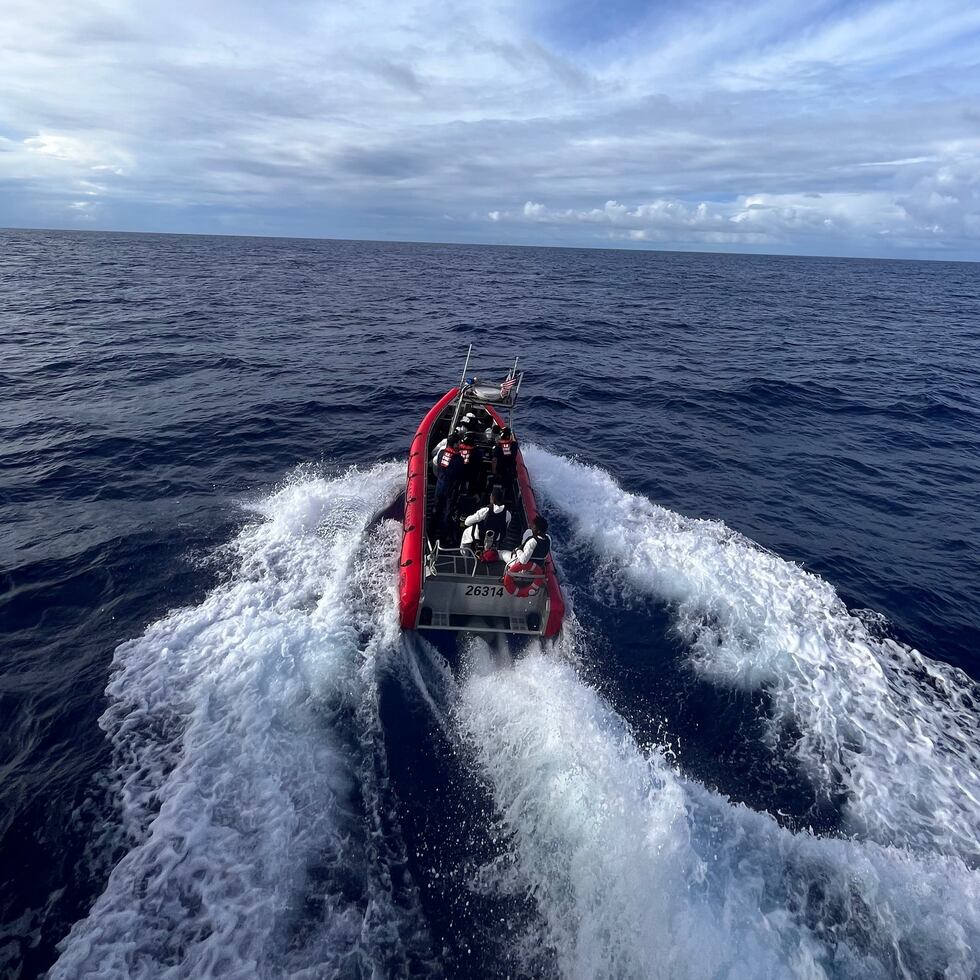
513 401
510 407
462 382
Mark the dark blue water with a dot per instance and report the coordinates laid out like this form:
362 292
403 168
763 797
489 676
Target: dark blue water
289 787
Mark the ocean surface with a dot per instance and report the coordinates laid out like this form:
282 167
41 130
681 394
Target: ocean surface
752 753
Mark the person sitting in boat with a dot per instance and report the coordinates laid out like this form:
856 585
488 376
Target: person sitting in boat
535 545
494 517
451 469
505 455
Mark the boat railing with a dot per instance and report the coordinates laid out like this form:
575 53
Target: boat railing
452 561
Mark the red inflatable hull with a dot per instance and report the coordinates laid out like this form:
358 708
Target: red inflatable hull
413 527
410 563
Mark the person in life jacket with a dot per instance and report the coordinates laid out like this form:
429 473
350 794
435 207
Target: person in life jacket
437 450
505 455
494 517
472 456
535 546
464 428
451 469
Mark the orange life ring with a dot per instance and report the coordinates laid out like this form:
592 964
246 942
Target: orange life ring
523 579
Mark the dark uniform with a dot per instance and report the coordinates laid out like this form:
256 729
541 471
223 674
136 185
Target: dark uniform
451 468
505 459
473 460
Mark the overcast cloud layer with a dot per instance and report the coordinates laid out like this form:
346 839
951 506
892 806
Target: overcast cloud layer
775 126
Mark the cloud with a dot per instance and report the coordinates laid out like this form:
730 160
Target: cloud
367 119
83 210
86 154
938 210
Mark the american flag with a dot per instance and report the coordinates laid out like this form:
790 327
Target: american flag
506 387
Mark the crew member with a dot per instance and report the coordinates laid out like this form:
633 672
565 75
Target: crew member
473 460
505 456
470 423
451 469
535 545
440 446
461 430
494 517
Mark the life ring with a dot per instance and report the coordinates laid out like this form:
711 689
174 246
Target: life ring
523 579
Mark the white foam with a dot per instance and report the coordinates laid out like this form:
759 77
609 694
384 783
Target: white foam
897 730
242 735
638 873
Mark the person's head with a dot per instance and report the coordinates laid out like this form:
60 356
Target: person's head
540 525
497 496
453 440
505 434
495 429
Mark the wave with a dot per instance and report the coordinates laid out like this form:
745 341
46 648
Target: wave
638 872
250 770
263 836
893 728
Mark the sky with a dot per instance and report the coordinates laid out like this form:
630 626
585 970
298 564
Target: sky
825 128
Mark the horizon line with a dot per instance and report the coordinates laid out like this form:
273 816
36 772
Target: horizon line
645 247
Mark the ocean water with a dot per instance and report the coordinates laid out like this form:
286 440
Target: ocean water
753 752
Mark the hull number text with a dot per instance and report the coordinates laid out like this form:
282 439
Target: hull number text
487 590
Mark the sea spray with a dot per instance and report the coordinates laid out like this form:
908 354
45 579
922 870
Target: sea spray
639 873
248 767
897 730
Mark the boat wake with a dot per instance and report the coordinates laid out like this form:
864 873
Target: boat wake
263 836
896 731
250 766
639 872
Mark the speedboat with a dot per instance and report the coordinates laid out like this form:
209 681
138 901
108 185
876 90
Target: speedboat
446 583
